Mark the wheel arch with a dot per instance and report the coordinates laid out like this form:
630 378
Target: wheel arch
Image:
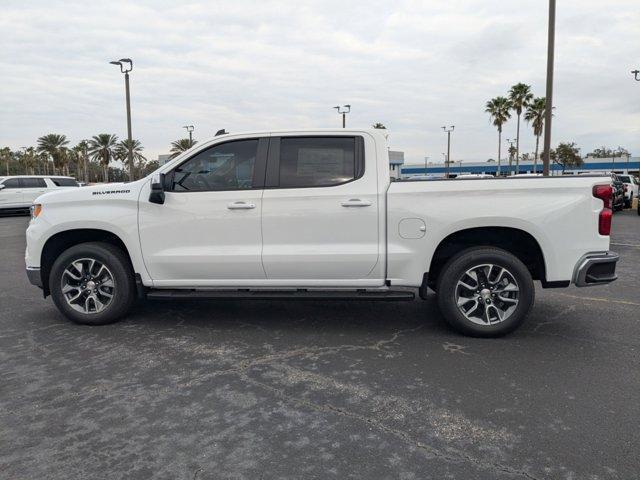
61 241
516 241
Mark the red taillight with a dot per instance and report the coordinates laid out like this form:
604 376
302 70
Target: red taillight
604 193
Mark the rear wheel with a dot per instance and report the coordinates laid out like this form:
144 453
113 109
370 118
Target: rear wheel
92 283
485 292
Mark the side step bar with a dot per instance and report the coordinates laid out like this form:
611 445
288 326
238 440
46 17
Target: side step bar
301 294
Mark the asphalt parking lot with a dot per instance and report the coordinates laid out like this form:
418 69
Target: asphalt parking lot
299 389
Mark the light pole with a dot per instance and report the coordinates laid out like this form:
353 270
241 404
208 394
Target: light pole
446 163
448 132
126 65
551 40
190 130
343 111
426 159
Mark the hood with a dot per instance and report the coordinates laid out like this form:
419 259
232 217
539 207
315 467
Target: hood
100 192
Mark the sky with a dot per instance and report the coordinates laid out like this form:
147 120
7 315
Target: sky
257 65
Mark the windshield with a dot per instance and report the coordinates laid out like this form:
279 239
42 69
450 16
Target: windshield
624 178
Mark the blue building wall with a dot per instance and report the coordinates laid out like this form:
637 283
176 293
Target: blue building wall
594 165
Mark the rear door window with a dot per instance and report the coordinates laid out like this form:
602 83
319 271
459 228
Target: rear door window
319 161
33 183
64 182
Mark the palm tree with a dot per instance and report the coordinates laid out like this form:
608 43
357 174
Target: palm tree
29 158
5 154
124 146
122 152
180 146
535 115
53 145
81 155
498 110
520 96
102 148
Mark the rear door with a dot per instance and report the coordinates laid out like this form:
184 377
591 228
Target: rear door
11 195
320 212
32 188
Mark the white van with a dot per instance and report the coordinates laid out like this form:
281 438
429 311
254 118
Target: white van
18 192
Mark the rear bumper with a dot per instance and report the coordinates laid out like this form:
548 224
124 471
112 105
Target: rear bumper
33 274
596 268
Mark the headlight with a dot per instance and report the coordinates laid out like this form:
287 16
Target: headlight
36 209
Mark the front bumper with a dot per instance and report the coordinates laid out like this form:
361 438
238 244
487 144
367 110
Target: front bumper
33 274
596 268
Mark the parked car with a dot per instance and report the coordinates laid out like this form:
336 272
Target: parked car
467 176
630 188
618 192
19 192
314 214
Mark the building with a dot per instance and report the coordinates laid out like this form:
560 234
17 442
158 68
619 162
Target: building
162 159
591 165
396 160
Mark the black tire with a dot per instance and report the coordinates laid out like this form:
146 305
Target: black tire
124 291
454 271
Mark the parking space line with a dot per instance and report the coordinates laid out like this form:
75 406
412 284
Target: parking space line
625 245
599 299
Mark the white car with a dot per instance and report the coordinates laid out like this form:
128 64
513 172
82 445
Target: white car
19 192
467 176
630 188
314 214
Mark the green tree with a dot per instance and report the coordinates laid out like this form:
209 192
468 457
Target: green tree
135 146
535 116
54 145
30 160
180 146
498 110
5 156
102 149
81 155
567 155
520 96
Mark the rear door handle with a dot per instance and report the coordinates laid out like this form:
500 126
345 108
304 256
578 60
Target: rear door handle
241 206
356 202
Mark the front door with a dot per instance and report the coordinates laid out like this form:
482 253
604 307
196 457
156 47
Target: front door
207 232
11 195
320 212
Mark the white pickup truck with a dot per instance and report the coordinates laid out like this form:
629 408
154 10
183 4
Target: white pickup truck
314 214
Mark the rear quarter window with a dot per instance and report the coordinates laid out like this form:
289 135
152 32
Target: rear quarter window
64 182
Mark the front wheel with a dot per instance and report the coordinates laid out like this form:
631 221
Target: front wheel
485 292
92 283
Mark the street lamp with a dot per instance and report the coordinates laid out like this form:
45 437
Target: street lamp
343 111
551 40
190 130
425 164
126 65
448 132
636 75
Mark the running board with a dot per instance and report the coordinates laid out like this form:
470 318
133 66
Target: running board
301 294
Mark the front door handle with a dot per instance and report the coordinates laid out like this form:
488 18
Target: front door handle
241 206
356 202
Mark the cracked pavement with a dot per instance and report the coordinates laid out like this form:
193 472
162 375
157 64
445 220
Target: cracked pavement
301 389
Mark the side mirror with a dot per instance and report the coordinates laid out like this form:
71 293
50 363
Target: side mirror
157 189
2 185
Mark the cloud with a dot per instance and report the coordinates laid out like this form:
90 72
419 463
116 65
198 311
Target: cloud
247 65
